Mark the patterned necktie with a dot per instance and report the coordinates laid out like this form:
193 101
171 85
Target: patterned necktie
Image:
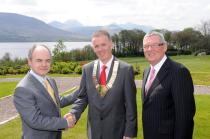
103 75
151 79
50 90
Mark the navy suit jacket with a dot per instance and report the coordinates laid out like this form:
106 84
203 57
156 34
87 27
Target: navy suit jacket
169 106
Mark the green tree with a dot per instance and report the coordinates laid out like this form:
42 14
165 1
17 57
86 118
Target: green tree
128 42
205 30
187 39
6 57
59 47
89 53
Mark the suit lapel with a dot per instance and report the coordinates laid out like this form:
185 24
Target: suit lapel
98 72
110 71
146 74
109 76
164 70
41 88
55 92
98 79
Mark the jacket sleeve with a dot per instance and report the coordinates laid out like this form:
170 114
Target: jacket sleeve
82 100
182 92
69 99
130 104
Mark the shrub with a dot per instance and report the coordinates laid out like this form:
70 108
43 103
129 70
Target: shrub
137 70
78 69
64 67
2 72
65 70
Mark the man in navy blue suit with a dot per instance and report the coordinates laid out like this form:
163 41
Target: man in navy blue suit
167 93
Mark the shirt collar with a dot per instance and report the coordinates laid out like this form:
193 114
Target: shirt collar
108 64
159 65
38 77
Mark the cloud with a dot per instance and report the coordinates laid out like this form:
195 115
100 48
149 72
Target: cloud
19 2
157 13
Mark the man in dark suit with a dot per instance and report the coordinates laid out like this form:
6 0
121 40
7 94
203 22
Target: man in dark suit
167 93
108 87
37 100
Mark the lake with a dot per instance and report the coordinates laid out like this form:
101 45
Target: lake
20 49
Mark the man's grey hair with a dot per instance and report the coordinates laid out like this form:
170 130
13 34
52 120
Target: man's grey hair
30 52
102 32
155 33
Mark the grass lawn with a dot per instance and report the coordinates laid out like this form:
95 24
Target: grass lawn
12 130
12 76
198 65
7 88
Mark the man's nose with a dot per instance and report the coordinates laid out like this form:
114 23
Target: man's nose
149 48
100 48
44 63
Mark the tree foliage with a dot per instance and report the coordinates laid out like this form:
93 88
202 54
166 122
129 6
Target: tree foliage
128 42
75 55
59 47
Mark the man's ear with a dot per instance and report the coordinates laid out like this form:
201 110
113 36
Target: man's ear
165 47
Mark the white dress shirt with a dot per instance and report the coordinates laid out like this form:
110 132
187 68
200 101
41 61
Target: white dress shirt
108 65
157 67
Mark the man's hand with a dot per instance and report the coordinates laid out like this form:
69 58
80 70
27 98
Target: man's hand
70 119
124 137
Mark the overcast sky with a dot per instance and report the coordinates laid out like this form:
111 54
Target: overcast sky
169 14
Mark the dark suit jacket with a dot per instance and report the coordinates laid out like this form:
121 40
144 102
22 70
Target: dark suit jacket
39 114
169 106
115 114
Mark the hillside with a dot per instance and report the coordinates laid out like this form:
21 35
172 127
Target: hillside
20 28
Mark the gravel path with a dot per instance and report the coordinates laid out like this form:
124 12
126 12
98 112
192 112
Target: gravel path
8 111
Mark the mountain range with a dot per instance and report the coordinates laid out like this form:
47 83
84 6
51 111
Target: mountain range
20 28
75 26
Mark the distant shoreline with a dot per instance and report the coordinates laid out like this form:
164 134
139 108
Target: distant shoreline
20 49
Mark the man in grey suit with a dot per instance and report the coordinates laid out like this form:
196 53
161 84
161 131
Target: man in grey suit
167 93
108 87
39 108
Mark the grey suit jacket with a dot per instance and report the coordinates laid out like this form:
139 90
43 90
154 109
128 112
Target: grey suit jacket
169 106
114 115
39 114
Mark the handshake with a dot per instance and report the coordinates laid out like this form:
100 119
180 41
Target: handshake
71 119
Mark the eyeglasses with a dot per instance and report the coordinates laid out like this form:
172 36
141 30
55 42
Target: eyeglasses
156 45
